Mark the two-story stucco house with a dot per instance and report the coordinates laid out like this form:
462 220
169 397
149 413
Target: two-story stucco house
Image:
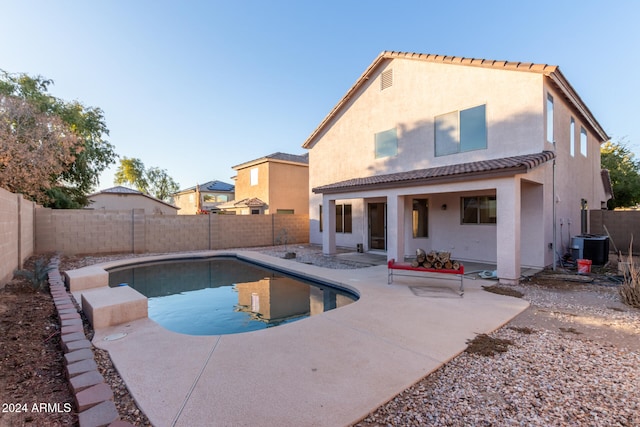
204 197
482 158
274 184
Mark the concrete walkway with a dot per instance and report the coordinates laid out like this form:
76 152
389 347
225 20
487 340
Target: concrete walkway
327 370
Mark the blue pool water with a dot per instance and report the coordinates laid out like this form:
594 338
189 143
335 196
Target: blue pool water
225 295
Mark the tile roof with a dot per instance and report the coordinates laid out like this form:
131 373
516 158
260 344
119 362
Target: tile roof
211 186
551 71
249 202
482 168
124 190
118 190
285 157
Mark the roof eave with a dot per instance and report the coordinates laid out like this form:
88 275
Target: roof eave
468 176
265 160
565 87
363 78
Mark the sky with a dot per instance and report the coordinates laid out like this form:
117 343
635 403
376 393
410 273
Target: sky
197 87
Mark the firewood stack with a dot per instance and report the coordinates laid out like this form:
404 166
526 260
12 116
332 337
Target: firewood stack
435 259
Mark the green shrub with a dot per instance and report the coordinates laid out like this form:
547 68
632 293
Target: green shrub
38 276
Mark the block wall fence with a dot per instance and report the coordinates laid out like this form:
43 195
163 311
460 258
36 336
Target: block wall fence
103 232
17 238
27 229
622 226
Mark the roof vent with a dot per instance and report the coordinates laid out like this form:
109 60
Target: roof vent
386 81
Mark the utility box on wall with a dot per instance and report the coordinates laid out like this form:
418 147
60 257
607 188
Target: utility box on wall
592 247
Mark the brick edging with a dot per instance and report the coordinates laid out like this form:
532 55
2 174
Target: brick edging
93 396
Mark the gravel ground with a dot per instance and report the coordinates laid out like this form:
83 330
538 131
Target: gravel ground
571 359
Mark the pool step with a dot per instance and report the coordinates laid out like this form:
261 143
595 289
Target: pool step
107 306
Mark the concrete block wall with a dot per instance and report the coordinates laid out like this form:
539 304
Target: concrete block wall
73 231
622 225
296 226
238 231
27 230
88 231
177 233
16 233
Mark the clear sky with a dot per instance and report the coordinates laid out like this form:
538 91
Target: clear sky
196 87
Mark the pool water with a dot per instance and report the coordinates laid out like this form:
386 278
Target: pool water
218 296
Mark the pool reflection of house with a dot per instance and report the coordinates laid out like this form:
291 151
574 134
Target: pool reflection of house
275 299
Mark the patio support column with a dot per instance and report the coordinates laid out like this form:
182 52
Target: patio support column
328 226
395 228
508 198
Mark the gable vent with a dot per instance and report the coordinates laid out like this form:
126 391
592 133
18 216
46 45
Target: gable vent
386 80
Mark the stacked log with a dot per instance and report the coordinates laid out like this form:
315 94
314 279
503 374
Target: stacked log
435 259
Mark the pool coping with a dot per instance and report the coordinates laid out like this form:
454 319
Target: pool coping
326 370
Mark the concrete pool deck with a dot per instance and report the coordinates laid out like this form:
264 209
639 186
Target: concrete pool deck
327 370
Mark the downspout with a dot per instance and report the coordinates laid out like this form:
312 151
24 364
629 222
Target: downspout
554 215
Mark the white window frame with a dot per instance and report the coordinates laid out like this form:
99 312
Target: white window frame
572 137
550 136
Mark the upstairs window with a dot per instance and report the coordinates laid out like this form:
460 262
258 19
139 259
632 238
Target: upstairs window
583 141
478 210
386 143
460 131
572 137
254 176
550 119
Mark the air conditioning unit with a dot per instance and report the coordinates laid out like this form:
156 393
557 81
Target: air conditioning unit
592 247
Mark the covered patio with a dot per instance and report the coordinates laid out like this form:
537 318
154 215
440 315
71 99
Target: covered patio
513 227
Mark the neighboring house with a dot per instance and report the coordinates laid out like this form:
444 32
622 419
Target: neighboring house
482 158
123 198
205 197
277 183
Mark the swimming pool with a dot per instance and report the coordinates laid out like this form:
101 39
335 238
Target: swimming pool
225 295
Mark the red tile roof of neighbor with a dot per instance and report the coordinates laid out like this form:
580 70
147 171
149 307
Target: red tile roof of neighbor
479 169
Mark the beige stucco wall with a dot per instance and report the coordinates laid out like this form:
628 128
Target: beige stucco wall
420 92
515 115
245 190
186 203
288 187
114 202
577 177
16 231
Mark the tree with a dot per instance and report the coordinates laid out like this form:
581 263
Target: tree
153 181
68 188
132 172
35 149
624 171
161 185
